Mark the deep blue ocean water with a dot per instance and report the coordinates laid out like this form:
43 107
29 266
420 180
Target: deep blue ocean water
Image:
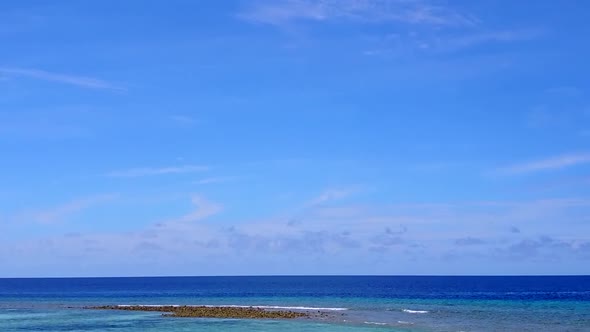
355 303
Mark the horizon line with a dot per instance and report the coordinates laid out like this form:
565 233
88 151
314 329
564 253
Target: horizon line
305 275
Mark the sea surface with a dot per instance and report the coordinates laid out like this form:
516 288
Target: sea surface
368 303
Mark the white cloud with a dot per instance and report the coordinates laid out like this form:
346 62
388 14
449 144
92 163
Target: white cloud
139 172
410 12
80 81
553 163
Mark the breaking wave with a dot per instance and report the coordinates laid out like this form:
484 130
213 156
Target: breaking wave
276 307
408 311
375 323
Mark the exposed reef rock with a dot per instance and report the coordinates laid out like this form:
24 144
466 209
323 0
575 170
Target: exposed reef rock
211 312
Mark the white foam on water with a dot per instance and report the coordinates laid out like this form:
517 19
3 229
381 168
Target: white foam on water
280 307
408 311
237 306
150 305
375 323
403 322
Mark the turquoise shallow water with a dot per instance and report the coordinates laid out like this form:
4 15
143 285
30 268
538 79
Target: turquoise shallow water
88 320
370 303
361 316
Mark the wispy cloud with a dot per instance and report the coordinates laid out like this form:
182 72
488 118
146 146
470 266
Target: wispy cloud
331 195
218 179
546 248
80 81
485 37
439 41
410 12
59 213
469 241
139 172
435 231
553 163
204 208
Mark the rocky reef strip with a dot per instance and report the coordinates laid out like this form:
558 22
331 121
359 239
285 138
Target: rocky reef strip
214 312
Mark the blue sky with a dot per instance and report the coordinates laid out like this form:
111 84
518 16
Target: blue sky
294 137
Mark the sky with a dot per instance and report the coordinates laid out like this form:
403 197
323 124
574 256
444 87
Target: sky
257 137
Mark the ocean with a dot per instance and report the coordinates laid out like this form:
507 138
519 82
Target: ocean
354 303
